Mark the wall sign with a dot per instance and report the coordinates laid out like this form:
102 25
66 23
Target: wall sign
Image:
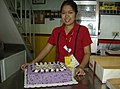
39 16
110 8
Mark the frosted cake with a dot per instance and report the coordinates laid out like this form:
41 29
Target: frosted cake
48 73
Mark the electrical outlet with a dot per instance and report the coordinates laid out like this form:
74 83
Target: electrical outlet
115 33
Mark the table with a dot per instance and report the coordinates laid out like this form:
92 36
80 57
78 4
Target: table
89 81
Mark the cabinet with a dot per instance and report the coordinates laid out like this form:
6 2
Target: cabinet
88 15
11 64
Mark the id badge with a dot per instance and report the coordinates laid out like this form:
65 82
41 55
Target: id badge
69 62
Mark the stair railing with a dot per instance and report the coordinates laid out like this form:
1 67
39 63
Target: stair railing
27 35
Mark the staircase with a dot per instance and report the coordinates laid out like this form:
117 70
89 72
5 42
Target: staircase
21 12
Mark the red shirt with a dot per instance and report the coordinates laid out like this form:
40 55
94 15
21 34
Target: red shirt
72 40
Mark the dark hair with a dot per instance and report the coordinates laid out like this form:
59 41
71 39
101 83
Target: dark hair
71 3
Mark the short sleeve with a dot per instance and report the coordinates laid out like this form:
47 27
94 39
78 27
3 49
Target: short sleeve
53 37
86 38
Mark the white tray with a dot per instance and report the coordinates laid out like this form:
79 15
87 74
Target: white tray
47 85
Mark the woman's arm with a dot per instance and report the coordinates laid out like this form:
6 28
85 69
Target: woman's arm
43 53
87 53
80 68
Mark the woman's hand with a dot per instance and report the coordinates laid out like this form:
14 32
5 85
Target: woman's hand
79 71
24 66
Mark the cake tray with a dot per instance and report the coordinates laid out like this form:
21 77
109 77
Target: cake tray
47 85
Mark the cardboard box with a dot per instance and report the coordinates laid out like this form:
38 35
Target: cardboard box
113 83
105 67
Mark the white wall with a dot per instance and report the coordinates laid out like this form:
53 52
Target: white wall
109 24
49 24
47 27
49 5
8 29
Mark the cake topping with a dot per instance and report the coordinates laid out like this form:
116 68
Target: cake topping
36 70
57 69
41 70
49 67
46 70
61 69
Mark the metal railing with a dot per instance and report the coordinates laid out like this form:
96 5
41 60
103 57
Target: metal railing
22 13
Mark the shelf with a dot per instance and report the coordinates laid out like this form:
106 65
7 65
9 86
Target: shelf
109 8
110 12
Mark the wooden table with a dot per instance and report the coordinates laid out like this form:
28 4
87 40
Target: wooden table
87 82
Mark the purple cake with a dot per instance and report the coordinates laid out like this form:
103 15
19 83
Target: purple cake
48 72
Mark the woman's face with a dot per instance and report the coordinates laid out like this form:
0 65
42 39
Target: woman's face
68 15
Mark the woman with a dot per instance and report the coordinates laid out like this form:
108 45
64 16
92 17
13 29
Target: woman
71 35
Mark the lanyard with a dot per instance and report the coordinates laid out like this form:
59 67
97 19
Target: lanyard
76 40
57 45
69 41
